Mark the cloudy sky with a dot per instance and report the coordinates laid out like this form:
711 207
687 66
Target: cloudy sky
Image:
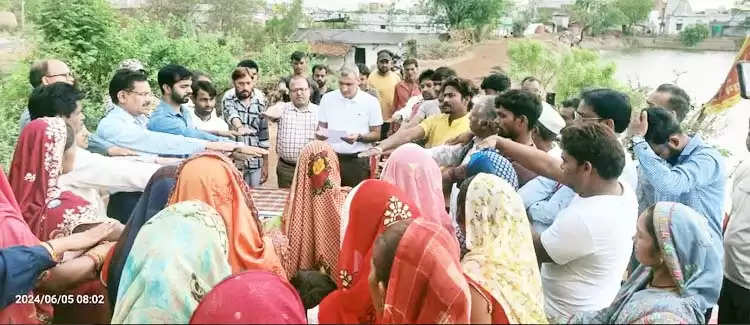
352 4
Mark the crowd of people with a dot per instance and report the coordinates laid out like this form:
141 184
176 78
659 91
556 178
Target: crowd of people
414 197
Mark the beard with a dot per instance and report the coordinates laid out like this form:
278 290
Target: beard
242 95
180 99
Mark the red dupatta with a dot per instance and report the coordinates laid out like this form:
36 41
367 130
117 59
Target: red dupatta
13 232
427 284
34 174
375 204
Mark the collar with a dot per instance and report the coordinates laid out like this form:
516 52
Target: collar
305 109
140 119
168 109
694 144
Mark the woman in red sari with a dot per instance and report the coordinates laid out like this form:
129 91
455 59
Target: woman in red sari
45 150
374 205
416 277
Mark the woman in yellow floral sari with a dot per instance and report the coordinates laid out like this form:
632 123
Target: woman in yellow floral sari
500 264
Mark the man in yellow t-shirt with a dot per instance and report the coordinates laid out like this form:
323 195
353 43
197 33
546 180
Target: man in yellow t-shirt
453 120
385 81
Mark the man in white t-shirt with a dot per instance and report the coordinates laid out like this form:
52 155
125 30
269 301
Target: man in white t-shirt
586 250
350 120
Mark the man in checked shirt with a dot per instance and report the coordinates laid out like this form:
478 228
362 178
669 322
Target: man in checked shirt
297 120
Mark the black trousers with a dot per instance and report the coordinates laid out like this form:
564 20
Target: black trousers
121 205
353 170
734 304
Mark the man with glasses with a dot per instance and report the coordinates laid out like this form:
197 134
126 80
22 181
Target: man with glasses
45 73
298 121
125 125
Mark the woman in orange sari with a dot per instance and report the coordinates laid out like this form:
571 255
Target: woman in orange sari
213 179
374 205
416 276
313 211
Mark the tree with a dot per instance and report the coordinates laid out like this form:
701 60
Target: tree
595 16
468 13
286 20
233 17
634 11
693 35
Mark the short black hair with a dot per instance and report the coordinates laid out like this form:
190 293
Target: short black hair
609 104
426 75
571 102
411 61
312 287
529 79
172 74
497 81
597 144
661 125
320 67
363 69
464 86
443 73
674 90
124 79
38 70
250 64
387 51
298 56
205 86
57 99
521 102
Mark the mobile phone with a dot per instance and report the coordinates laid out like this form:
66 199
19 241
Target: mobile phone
551 99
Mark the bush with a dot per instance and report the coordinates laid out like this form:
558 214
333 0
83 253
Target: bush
693 35
436 50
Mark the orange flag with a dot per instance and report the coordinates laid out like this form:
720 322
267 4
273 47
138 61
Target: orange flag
729 93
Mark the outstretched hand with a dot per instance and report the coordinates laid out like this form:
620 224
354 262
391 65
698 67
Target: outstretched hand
639 124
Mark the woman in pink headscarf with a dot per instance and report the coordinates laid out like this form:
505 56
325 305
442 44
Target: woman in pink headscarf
412 170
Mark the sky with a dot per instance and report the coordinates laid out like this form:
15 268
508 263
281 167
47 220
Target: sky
352 4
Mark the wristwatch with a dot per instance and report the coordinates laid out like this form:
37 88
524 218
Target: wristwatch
637 139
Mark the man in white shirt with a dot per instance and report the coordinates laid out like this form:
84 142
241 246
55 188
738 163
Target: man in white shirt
350 120
297 120
586 250
204 101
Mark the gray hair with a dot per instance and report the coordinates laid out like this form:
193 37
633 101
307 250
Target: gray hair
484 102
349 71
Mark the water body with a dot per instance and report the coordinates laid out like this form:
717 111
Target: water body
700 73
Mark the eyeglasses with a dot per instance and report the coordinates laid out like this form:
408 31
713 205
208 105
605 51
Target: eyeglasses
578 117
142 94
298 90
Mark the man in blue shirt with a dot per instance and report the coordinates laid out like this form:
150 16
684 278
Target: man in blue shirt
695 175
125 125
172 115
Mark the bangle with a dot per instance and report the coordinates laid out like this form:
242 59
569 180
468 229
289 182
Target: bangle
97 260
51 250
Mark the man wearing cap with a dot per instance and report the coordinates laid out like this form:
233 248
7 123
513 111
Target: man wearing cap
385 81
543 198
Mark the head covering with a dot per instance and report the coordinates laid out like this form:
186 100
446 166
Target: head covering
132 65
252 297
427 284
692 255
13 232
375 204
551 119
34 176
153 200
385 55
491 162
178 256
501 255
412 169
213 179
312 213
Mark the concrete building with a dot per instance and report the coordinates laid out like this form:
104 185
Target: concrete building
348 47
679 14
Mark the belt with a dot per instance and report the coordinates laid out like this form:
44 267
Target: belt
348 155
286 162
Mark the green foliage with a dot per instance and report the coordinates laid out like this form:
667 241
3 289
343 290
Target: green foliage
565 71
693 35
469 14
634 11
435 50
596 16
284 24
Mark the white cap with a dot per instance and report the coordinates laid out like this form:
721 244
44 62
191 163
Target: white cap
551 119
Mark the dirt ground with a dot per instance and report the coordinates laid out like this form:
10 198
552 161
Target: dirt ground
477 62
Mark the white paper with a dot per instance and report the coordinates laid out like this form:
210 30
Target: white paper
334 136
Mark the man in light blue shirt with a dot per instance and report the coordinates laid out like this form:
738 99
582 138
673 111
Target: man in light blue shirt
172 115
695 175
125 125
